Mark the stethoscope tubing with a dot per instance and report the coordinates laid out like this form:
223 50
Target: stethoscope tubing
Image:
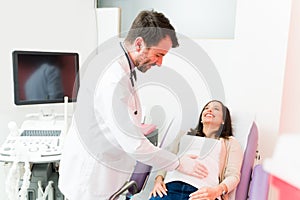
129 64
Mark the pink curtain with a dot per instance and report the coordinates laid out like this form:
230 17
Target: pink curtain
290 109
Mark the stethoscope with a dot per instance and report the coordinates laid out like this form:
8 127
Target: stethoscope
132 72
131 67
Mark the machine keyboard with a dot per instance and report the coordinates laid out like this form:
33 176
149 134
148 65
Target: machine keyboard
41 133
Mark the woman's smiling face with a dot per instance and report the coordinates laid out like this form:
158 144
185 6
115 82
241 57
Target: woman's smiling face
213 114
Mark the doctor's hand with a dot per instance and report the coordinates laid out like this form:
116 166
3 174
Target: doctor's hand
190 165
159 187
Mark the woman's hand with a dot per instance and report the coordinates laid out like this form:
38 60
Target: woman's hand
159 187
206 193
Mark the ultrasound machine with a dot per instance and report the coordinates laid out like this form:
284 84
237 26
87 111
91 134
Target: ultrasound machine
41 79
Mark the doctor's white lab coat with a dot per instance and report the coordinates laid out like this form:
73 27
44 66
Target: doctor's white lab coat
104 141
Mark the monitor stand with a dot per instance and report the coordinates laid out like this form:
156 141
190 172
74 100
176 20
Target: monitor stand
47 114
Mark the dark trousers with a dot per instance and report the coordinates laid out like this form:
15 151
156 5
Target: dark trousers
177 190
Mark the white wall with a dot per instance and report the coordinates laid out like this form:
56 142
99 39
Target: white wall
41 25
56 25
251 65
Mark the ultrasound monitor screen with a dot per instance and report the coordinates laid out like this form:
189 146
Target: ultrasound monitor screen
45 77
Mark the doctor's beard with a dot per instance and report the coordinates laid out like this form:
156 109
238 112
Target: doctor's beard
145 68
143 64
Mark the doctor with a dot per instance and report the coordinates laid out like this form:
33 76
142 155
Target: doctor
105 139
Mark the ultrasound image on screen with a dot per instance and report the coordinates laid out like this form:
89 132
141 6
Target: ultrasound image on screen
45 77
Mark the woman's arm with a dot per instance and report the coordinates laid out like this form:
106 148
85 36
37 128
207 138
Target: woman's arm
231 176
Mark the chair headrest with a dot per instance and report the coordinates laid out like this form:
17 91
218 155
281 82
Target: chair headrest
241 124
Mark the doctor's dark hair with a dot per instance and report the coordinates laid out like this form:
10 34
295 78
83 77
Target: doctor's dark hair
225 130
152 26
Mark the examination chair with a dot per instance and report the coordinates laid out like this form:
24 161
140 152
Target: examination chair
246 132
254 182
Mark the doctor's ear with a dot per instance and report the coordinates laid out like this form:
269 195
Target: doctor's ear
139 43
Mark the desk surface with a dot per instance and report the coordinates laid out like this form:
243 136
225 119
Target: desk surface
32 159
